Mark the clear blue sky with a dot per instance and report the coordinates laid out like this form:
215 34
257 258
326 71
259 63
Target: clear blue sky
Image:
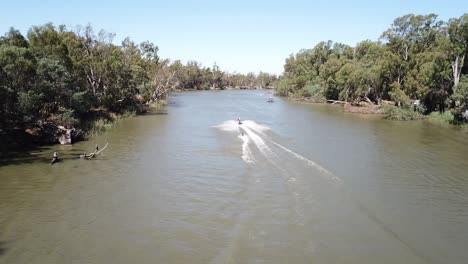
238 35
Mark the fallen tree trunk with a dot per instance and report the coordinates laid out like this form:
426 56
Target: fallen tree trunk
102 148
336 102
366 99
93 154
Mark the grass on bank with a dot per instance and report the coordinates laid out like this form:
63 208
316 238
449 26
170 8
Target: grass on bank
448 118
392 112
101 124
104 122
157 105
310 93
444 117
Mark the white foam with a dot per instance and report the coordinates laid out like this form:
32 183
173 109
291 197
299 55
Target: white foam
258 141
229 125
246 152
254 126
309 162
232 125
292 179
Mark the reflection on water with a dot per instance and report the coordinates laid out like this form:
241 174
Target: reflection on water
295 183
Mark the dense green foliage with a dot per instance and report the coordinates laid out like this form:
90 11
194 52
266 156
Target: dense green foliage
63 76
392 112
418 59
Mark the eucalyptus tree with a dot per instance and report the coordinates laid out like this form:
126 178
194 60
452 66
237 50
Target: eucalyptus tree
17 75
457 45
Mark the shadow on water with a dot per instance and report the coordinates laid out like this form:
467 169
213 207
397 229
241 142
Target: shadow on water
2 248
155 113
23 156
19 157
175 104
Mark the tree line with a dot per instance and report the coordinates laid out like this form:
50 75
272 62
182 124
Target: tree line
419 61
58 75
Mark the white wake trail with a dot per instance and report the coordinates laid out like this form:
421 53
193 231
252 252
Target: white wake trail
246 152
233 126
260 130
229 126
261 145
255 133
258 141
309 162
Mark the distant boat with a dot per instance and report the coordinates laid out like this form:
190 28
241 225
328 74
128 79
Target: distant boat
270 100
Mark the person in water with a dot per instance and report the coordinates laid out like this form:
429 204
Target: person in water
240 123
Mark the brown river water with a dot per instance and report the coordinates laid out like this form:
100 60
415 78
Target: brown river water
295 183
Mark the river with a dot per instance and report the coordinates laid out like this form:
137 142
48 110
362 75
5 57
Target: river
295 183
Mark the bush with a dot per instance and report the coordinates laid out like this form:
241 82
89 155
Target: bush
313 92
396 113
397 95
30 104
82 102
66 118
283 87
460 97
100 125
446 117
302 93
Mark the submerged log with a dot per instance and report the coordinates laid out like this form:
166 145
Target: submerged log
87 156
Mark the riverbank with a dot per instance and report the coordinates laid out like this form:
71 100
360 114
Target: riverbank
360 108
226 88
51 132
387 110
